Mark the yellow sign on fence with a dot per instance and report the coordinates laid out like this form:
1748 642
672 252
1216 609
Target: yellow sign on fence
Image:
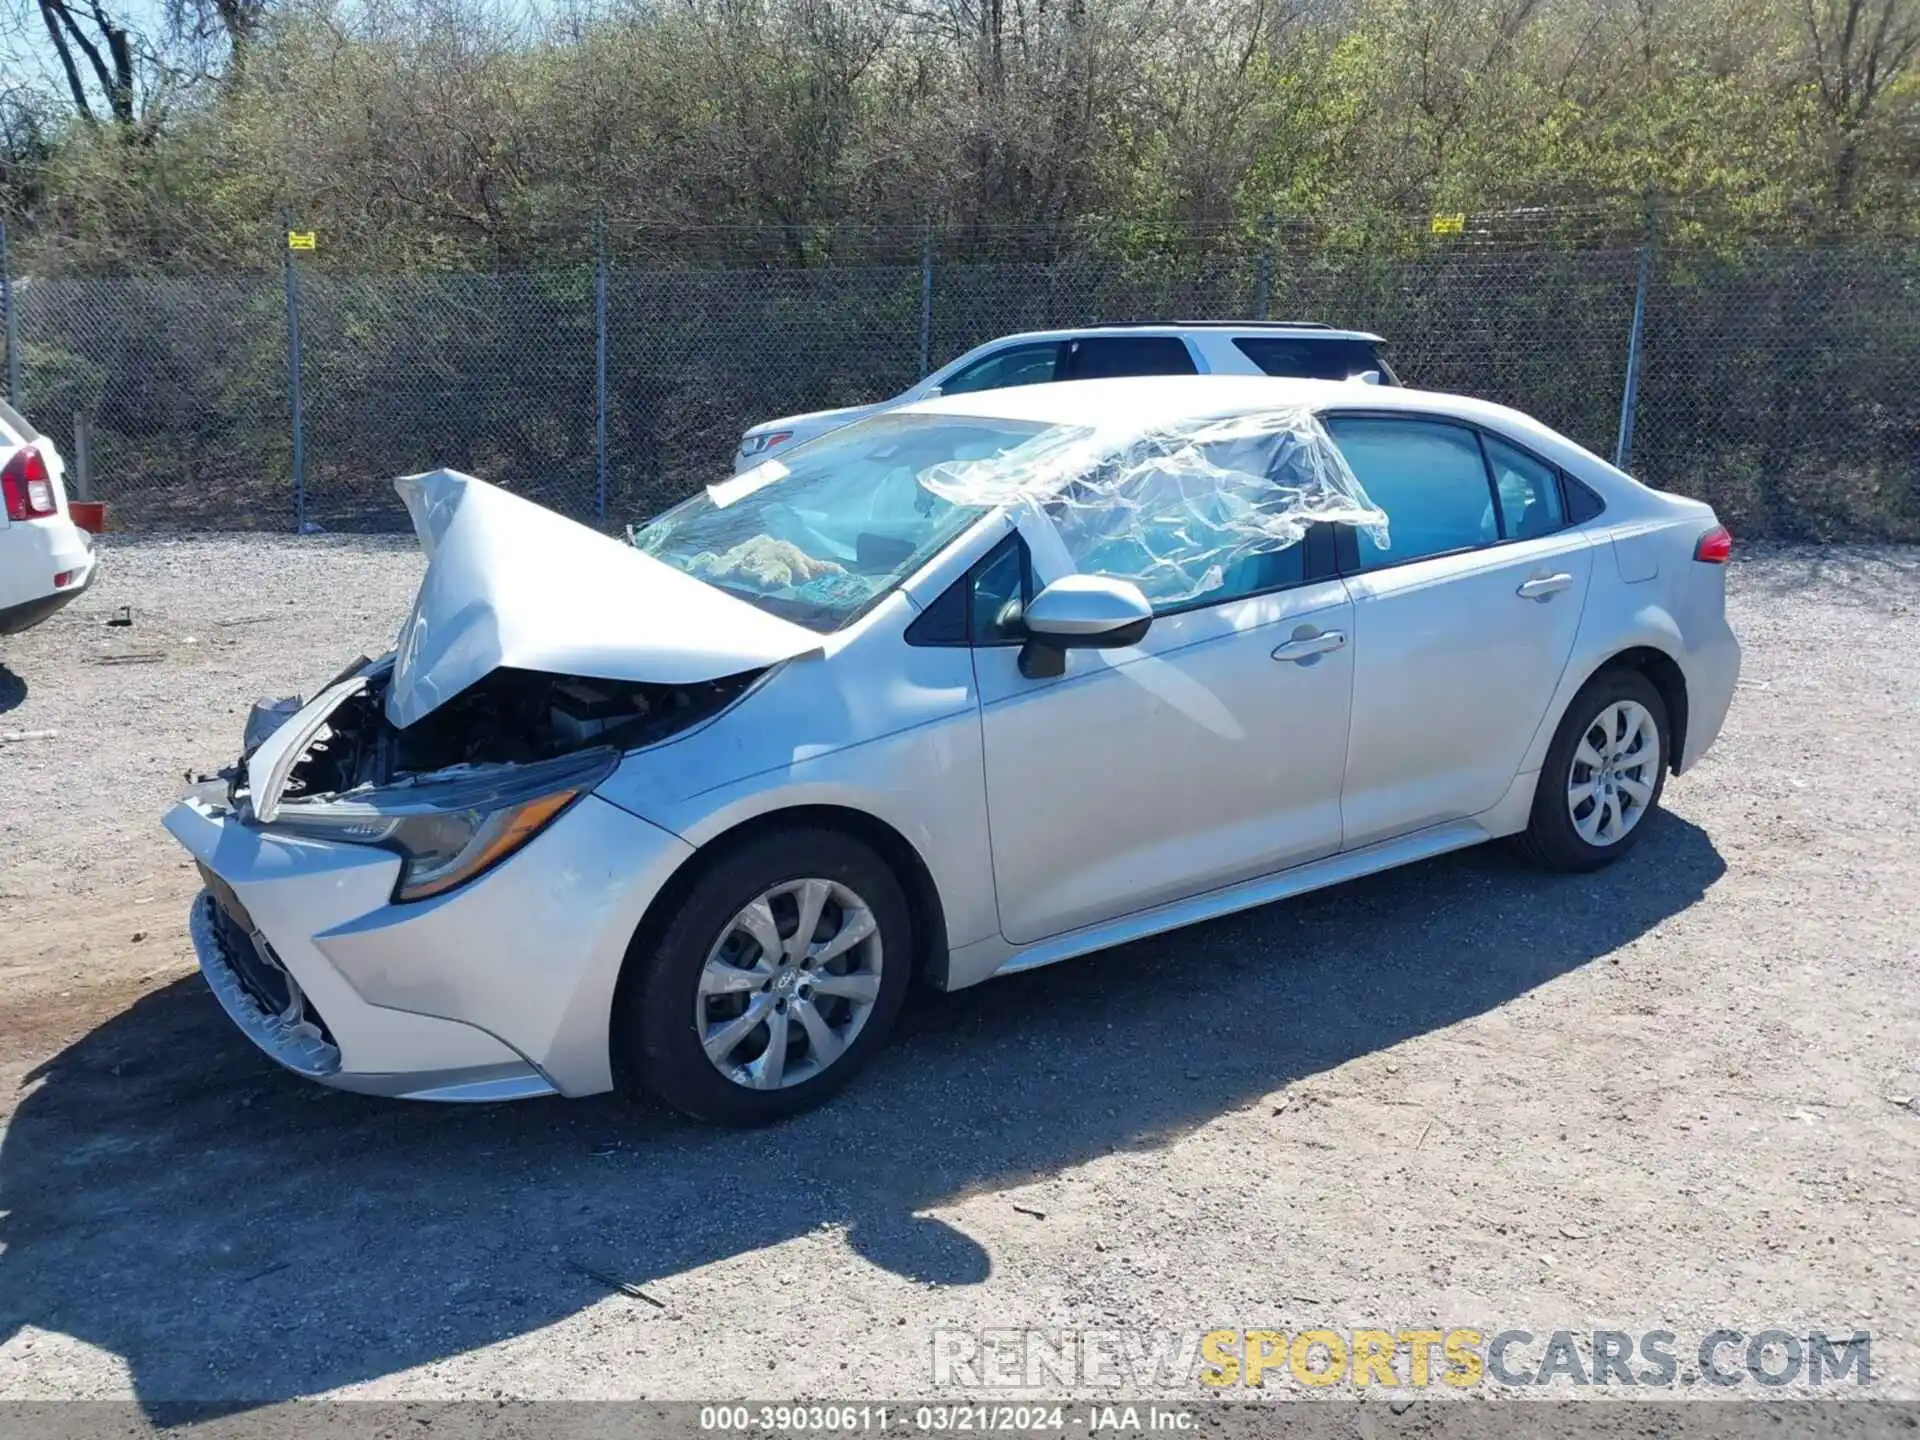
1449 224
300 240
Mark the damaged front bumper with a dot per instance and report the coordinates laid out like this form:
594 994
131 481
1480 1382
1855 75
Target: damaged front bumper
254 988
501 989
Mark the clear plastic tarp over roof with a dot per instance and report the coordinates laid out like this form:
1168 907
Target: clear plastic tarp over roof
1175 509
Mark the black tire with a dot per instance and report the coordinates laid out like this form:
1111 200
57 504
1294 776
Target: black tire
656 1044
1551 838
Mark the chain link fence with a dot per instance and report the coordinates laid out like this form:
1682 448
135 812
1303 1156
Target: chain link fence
1780 384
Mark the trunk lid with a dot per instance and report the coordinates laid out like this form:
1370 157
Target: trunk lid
512 583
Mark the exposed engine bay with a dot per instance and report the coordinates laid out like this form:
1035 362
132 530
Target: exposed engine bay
511 717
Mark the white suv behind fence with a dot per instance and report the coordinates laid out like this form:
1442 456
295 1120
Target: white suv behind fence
1301 349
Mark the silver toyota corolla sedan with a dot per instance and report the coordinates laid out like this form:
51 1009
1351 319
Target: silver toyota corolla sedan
968 687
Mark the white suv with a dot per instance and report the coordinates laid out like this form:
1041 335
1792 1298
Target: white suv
45 559
1302 349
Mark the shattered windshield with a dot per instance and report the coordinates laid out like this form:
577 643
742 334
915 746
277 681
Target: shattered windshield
821 534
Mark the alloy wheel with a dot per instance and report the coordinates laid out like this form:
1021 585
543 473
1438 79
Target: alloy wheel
789 984
1615 768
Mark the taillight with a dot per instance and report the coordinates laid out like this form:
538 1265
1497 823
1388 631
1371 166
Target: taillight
1715 547
755 444
28 487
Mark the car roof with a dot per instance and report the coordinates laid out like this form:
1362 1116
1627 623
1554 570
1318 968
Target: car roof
1132 406
1151 401
1290 329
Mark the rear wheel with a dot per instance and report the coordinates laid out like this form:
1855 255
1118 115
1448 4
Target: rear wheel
1603 774
774 984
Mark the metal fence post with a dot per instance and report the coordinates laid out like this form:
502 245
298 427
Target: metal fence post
14 397
296 405
1630 393
1263 277
926 302
599 373
82 455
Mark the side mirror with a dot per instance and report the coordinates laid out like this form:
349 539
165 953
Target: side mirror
1081 612
1367 377
932 392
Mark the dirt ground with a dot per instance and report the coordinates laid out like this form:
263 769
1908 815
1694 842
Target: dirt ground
1676 1096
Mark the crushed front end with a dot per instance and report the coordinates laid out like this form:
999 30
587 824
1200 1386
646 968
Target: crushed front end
437 911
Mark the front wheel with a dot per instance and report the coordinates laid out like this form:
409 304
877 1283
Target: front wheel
776 981
1603 774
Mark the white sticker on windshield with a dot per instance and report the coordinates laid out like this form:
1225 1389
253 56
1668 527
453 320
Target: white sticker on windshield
723 493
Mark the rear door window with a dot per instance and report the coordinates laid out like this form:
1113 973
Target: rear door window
1528 490
1100 357
1430 479
1305 359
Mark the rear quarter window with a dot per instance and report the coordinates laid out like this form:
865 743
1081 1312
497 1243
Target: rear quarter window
1583 503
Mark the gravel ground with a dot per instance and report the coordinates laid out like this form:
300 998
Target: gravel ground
1462 1094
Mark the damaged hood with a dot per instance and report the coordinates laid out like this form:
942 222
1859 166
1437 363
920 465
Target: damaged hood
511 583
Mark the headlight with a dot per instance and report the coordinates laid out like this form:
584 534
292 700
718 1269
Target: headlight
454 827
754 444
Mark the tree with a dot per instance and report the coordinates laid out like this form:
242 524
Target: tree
105 46
107 64
1859 49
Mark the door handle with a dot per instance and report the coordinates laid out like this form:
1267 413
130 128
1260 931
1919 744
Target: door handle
1306 647
1542 587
